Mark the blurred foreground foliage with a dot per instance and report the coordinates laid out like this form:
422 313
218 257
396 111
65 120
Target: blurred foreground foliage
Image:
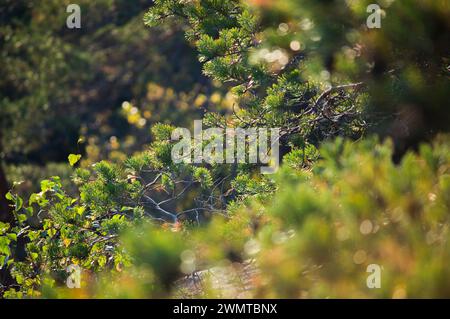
313 237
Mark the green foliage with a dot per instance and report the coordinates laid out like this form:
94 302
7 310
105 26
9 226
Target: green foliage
358 208
246 185
203 176
61 90
272 94
137 224
303 157
400 66
61 230
313 235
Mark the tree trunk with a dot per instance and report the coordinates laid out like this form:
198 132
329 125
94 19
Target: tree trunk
5 209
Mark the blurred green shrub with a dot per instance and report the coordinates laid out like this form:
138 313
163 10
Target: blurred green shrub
313 238
358 208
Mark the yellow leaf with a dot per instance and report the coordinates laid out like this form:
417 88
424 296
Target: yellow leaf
66 242
74 158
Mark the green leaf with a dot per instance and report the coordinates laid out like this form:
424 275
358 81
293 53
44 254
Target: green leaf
3 228
9 196
102 261
21 218
80 210
29 211
12 236
4 245
46 185
19 203
19 278
74 158
33 198
33 235
2 261
51 232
